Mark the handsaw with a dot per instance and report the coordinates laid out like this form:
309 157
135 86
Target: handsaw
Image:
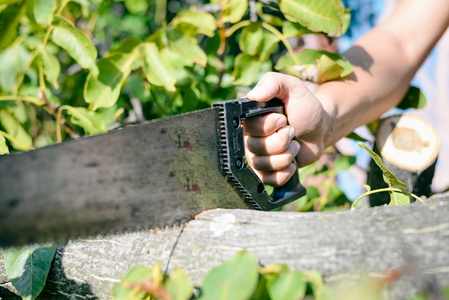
157 174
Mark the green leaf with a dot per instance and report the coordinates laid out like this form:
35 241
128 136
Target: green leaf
328 65
343 162
373 126
28 267
234 10
261 290
157 70
317 15
51 67
83 3
202 22
136 275
274 268
419 296
3 147
328 69
15 129
366 187
235 279
283 283
138 88
127 46
269 42
90 121
288 285
398 198
187 47
189 100
105 90
75 43
389 177
213 44
414 98
336 196
354 136
179 285
312 56
346 20
270 19
9 21
9 2
246 69
290 29
13 61
136 6
312 193
251 38
446 292
43 11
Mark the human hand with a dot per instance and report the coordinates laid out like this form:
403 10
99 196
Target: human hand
273 141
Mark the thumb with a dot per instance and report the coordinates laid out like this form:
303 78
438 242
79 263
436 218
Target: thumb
271 85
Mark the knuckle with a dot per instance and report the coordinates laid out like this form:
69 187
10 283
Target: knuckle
259 163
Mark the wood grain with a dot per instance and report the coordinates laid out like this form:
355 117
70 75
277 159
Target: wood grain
347 247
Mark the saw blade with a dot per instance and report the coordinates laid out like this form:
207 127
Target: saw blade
152 175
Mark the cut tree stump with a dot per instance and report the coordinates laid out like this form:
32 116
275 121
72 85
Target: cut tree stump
409 148
347 247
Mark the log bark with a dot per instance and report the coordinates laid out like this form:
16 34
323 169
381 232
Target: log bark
409 148
347 247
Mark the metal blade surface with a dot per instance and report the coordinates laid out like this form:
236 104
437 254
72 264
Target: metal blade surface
151 175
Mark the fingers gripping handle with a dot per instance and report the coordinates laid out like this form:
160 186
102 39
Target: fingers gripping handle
233 165
290 191
293 189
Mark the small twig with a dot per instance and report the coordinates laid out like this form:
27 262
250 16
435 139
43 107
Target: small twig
252 10
284 40
388 189
221 52
15 141
51 109
29 99
270 4
209 8
236 27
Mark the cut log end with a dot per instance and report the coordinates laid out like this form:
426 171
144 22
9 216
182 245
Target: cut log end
408 142
409 148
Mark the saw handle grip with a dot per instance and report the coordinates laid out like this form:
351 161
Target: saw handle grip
293 189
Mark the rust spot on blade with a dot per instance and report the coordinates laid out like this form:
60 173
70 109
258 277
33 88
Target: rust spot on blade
196 189
187 145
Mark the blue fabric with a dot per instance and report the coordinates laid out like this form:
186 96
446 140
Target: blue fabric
364 15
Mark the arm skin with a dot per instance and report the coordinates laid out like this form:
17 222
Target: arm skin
384 61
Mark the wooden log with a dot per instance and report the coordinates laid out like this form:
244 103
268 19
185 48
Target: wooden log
409 148
347 247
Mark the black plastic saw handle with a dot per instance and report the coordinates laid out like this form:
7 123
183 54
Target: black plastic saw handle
232 153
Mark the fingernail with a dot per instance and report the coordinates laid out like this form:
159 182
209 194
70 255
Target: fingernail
281 122
256 93
291 133
296 147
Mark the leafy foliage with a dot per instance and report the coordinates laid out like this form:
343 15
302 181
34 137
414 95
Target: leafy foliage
251 281
235 279
76 67
60 54
397 196
28 267
241 277
414 98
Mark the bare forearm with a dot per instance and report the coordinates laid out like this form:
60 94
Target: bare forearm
384 61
